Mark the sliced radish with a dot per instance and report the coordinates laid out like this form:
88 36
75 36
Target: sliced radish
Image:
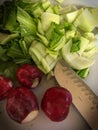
5 85
29 75
22 105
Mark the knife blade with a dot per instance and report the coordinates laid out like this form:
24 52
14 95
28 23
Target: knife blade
84 98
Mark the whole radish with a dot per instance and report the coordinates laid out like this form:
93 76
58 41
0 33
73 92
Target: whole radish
29 75
56 103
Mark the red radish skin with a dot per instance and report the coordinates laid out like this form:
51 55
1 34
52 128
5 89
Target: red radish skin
5 85
29 75
56 103
22 105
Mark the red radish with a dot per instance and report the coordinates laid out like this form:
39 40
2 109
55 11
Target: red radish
56 102
5 85
29 75
22 105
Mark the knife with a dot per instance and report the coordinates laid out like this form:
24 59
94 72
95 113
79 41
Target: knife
84 98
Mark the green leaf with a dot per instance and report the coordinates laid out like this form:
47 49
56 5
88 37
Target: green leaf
56 34
67 26
33 8
3 55
1 15
75 44
18 52
26 22
8 69
9 16
5 38
83 73
14 51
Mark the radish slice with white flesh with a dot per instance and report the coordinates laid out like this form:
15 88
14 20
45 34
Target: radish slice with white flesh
5 85
29 76
22 105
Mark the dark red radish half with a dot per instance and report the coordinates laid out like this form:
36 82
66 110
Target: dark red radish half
5 85
22 105
56 102
29 75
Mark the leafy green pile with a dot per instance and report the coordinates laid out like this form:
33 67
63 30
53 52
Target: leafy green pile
41 33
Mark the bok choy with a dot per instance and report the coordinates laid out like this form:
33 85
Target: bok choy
39 32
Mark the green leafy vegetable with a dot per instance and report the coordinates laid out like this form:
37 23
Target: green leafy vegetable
83 73
83 19
75 44
26 22
5 38
18 52
9 17
43 32
8 69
